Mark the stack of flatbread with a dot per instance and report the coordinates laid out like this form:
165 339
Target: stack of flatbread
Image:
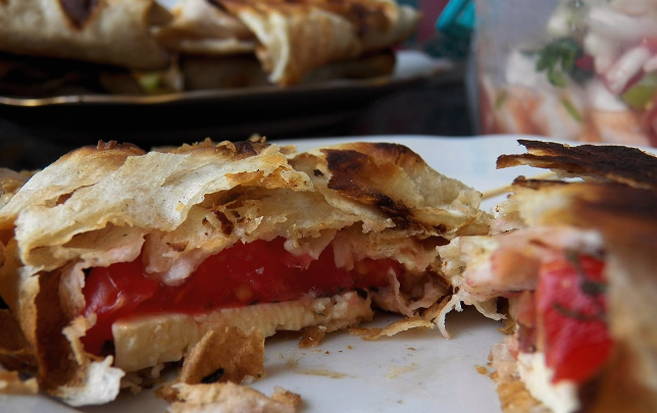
138 46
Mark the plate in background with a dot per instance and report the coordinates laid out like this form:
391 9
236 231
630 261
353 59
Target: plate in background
412 66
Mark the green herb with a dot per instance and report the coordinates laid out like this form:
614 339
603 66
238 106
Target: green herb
641 94
571 109
149 82
586 285
500 99
593 288
557 59
576 315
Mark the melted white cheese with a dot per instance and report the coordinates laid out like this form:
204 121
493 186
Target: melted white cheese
537 376
153 339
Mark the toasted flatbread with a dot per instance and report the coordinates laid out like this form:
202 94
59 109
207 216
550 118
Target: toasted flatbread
289 38
201 27
116 32
228 398
10 183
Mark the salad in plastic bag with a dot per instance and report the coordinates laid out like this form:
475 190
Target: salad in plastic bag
592 76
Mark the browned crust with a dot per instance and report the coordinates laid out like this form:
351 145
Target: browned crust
514 396
15 351
349 171
620 212
235 150
537 183
360 171
384 152
110 151
10 183
629 166
12 383
227 397
223 355
376 333
55 358
365 15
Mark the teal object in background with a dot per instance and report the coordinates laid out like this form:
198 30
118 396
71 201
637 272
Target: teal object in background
458 18
455 25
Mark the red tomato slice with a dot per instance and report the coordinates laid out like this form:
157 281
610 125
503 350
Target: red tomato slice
571 308
585 63
244 274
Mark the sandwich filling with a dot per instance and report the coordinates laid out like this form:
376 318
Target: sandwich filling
244 274
553 278
570 306
562 338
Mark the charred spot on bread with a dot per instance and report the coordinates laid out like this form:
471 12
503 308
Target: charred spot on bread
396 153
350 171
536 183
245 148
79 11
213 377
226 224
217 4
630 166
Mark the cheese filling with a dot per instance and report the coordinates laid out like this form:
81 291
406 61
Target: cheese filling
561 397
175 333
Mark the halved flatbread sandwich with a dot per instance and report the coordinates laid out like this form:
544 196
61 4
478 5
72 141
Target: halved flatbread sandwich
575 259
116 261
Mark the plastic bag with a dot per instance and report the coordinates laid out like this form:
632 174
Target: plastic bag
572 69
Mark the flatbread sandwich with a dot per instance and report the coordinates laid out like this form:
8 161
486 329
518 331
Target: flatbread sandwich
50 47
117 262
290 39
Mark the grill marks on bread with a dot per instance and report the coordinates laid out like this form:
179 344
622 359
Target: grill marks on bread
79 12
350 176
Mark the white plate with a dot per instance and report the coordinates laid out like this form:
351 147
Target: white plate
417 371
